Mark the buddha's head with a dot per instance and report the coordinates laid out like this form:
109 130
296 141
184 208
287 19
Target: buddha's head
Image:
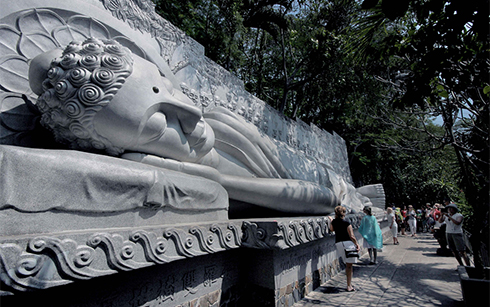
98 96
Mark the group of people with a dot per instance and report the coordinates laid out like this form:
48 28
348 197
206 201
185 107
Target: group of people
435 218
409 221
445 222
400 220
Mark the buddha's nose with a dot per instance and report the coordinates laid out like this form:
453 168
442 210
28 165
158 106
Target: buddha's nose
187 114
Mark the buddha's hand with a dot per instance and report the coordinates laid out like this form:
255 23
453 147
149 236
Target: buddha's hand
242 142
183 167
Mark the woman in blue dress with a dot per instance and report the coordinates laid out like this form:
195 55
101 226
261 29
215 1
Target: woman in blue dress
370 231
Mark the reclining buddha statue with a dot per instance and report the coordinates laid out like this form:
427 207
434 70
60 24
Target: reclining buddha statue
97 96
122 146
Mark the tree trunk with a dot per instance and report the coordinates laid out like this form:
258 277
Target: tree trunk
282 104
480 213
260 70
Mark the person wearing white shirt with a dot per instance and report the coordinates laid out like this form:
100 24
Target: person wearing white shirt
454 233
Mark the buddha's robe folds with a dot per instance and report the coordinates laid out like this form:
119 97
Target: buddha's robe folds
78 184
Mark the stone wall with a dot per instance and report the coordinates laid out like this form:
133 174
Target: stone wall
277 263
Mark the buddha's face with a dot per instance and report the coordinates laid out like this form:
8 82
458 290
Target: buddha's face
146 115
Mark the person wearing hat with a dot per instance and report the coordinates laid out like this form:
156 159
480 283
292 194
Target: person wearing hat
454 232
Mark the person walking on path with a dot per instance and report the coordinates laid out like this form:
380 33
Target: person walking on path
412 220
344 238
404 216
399 220
454 233
409 274
373 237
393 225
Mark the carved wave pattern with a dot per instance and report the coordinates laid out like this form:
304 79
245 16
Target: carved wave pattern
282 235
45 261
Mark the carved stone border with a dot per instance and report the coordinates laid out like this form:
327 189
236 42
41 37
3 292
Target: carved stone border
49 260
287 233
45 261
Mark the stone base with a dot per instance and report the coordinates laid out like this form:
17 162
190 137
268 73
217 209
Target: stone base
474 289
289 275
191 282
276 263
241 277
285 276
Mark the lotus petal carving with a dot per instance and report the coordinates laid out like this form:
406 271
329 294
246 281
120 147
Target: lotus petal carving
13 74
67 34
8 40
39 21
32 44
88 26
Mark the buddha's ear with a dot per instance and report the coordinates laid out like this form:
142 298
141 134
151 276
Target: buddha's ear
38 68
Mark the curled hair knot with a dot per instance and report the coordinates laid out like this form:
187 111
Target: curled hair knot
79 84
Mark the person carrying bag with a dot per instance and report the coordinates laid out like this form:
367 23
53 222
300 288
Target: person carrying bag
345 242
351 252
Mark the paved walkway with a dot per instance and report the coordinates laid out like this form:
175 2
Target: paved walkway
409 274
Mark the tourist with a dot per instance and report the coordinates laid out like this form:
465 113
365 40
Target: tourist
370 231
412 220
436 214
404 215
399 220
393 225
420 220
429 220
440 231
344 238
454 232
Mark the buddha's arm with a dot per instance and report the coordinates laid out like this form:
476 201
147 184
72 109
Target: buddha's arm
288 195
183 167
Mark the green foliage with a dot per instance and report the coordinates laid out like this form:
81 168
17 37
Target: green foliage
222 26
437 55
374 72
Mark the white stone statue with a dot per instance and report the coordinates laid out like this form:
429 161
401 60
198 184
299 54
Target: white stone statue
149 174
98 96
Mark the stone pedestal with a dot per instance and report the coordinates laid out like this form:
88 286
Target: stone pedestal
474 288
291 258
241 263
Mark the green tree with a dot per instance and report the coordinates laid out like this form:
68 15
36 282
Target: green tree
437 53
222 26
